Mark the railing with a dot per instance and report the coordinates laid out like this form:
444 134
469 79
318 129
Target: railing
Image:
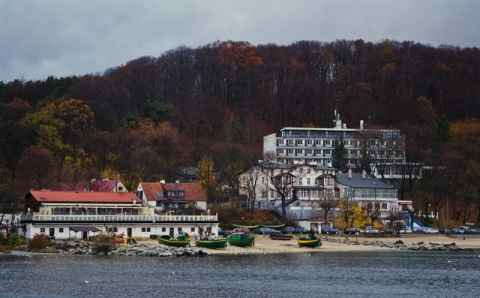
121 218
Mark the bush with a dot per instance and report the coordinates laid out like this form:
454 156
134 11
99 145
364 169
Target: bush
101 243
39 242
15 240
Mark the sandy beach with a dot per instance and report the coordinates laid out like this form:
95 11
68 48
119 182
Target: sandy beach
263 244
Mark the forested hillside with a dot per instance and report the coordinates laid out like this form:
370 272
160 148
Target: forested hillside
141 120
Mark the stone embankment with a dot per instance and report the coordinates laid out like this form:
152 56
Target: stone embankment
83 247
400 245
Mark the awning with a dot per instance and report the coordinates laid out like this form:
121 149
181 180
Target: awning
84 229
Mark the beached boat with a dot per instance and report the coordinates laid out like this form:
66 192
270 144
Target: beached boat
275 227
241 239
251 228
280 236
307 242
181 241
211 243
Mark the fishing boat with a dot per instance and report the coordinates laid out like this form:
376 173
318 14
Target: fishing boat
211 243
309 242
180 241
280 236
241 239
251 228
275 227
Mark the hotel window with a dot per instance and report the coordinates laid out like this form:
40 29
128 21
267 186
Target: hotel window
300 181
308 181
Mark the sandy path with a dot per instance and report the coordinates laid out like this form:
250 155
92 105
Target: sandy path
337 243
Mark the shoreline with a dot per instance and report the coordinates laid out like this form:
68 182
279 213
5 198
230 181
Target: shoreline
339 243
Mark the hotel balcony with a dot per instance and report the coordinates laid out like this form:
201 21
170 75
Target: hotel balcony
117 218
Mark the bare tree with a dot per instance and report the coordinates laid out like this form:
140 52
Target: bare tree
327 205
251 185
282 181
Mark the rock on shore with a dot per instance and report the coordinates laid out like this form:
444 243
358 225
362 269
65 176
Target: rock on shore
399 244
83 247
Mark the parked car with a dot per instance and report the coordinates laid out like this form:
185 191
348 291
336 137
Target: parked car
330 231
445 231
463 230
371 231
265 231
239 230
474 230
222 232
355 231
405 231
288 230
387 231
430 231
301 231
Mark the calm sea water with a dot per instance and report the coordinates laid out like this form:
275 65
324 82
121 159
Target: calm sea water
320 274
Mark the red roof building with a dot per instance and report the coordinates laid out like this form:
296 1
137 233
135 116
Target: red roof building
173 197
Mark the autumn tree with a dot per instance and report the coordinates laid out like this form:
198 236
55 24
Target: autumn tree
36 168
208 179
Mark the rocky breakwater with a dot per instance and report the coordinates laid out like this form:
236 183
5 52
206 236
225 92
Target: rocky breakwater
400 245
84 247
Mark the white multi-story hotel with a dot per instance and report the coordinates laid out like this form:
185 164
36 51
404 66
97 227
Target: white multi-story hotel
303 145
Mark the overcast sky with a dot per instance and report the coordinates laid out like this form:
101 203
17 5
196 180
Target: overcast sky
39 38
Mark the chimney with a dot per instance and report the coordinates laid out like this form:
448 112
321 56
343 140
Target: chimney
349 173
364 174
361 124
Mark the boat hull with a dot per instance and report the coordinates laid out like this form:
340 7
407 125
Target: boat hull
173 242
280 237
220 243
309 242
241 239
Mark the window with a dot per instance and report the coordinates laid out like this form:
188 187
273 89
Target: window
42 230
308 181
263 180
164 229
300 181
384 206
60 230
192 229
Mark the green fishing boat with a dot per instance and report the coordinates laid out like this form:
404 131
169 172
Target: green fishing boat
307 242
275 227
181 241
241 239
212 243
